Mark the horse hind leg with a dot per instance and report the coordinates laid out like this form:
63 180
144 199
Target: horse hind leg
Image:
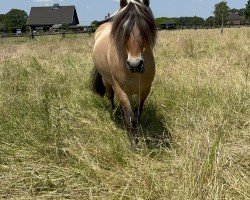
109 93
97 83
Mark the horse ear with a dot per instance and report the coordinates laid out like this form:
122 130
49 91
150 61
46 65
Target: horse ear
146 2
123 3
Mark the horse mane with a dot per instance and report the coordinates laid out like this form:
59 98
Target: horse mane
127 18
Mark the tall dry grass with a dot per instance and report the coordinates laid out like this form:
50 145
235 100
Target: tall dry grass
60 141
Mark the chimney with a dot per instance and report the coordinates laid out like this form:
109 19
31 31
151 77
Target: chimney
56 6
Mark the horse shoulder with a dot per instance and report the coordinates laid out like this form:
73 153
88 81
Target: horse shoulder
104 28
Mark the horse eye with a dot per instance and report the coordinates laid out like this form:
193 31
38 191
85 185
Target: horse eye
146 2
123 3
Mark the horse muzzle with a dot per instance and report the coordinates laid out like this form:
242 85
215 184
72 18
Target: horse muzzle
136 66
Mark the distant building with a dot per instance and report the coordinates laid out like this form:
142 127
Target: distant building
234 19
43 18
168 25
17 31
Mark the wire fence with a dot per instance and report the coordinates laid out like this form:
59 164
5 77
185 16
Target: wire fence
37 34
90 32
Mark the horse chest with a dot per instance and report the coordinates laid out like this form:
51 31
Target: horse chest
135 83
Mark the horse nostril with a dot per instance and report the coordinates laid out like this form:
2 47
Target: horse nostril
140 65
128 63
142 70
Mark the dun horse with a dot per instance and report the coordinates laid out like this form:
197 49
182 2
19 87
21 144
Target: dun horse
123 59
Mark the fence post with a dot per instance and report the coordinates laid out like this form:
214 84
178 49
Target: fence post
63 34
31 34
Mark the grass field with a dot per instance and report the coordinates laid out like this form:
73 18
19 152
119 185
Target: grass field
58 140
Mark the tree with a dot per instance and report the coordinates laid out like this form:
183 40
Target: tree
161 20
210 21
197 21
221 13
184 21
190 21
241 11
2 28
15 18
1 17
65 27
237 11
94 24
247 11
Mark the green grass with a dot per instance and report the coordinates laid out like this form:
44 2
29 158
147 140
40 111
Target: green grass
58 140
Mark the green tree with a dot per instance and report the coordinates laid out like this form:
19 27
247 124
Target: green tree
247 11
65 27
190 21
197 21
184 21
241 11
2 28
237 11
210 21
95 24
161 20
1 17
15 18
221 13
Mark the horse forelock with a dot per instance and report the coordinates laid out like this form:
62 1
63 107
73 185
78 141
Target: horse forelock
138 2
135 14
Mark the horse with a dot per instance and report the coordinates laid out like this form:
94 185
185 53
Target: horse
124 63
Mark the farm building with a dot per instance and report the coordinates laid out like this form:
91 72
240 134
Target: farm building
168 25
43 18
234 19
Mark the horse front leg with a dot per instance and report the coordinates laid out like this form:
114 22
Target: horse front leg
140 103
128 115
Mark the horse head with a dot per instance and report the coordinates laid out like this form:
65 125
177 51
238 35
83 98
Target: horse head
133 32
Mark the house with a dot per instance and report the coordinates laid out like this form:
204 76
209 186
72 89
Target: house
43 18
86 29
17 31
234 19
168 25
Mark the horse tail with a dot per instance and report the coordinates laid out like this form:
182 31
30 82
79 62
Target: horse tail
97 83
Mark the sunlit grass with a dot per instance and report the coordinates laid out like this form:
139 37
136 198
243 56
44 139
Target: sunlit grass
59 140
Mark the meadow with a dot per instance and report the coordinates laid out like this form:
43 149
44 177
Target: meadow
58 140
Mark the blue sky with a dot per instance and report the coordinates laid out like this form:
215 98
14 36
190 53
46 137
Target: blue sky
89 10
